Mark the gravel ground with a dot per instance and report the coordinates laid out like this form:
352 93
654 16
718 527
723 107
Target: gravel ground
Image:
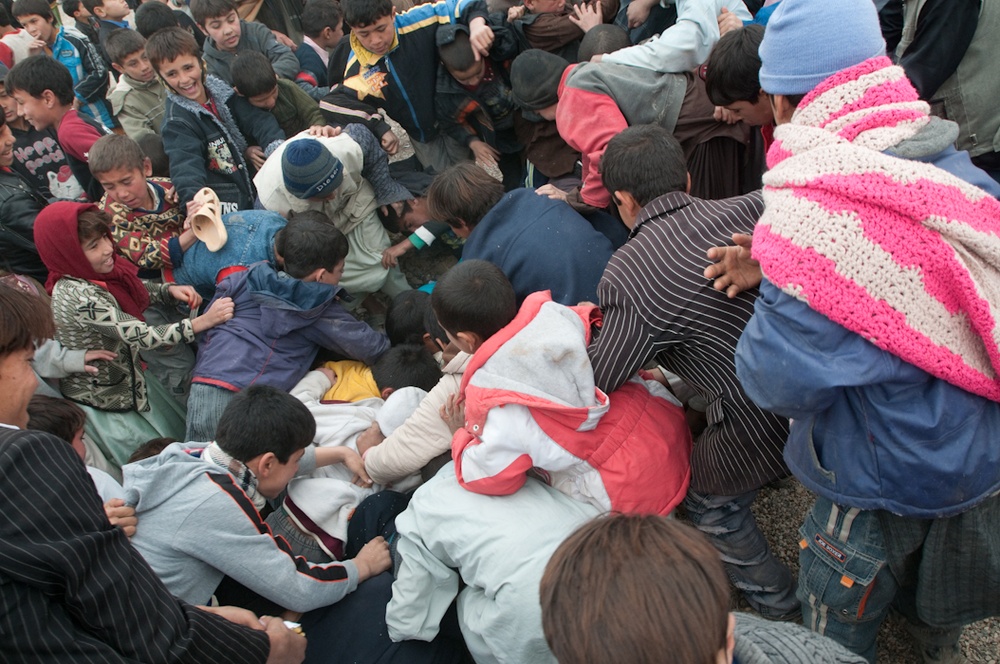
780 509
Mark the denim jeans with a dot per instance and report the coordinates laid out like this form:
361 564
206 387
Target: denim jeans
727 521
206 404
301 544
846 586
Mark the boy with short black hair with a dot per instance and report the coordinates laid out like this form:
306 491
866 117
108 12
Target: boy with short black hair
43 89
732 79
282 320
153 16
391 61
139 98
83 20
207 127
323 28
254 78
110 15
74 51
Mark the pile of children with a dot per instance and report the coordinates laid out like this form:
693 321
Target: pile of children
650 321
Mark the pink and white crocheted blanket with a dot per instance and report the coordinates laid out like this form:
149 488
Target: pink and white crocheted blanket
898 251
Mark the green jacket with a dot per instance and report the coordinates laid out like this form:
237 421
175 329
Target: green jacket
295 110
139 106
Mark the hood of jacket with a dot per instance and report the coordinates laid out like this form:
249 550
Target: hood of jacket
286 304
151 482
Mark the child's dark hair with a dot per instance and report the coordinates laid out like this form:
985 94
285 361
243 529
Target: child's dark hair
38 73
202 10
457 55
151 17
150 449
601 39
169 44
91 5
92 223
310 242
122 43
24 320
115 151
434 329
253 74
646 161
646 584
463 192
474 296
30 7
318 15
263 419
404 321
69 8
62 418
408 365
732 72
359 13
390 218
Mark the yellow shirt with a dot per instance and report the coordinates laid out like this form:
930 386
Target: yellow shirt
354 382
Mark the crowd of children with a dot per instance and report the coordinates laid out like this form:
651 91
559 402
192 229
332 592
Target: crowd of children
703 245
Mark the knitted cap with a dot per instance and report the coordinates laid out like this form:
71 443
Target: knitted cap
807 41
310 170
534 79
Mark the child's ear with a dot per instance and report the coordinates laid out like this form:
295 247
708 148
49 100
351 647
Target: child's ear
266 464
99 12
470 340
49 98
147 167
117 67
386 392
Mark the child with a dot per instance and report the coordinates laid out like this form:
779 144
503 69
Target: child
597 578
474 104
66 420
207 126
98 302
139 98
323 28
391 61
401 366
74 51
83 20
110 15
15 40
539 243
229 36
404 320
43 90
732 79
153 16
254 78
284 318
19 206
530 400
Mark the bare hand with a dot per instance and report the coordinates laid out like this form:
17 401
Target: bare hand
185 294
398 206
285 40
373 558
36 46
515 13
638 12
722 114
728 22
354 464
453 412
734 271
191 209
369 438
255 155
330 376
586 16
287 647
552 192
98 355
221 310
235 614
121 515
390 257
171 197
390 143
484 153
324 131
481 37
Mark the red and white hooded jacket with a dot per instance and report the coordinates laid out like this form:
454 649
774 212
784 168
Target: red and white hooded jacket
530 401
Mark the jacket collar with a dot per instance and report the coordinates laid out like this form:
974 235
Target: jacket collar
663 206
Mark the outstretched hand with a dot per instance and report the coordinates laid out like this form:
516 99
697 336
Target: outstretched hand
734 271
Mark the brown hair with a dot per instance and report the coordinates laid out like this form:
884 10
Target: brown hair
463 192
24 319
59 417
92 223
168 44
115 151
633 589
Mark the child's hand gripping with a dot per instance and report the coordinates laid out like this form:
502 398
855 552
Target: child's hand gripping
453 412
373 559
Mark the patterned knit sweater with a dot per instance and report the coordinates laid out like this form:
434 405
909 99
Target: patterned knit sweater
900 252
143 236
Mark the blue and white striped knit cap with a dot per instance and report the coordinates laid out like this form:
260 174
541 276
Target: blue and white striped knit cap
310 170
808 41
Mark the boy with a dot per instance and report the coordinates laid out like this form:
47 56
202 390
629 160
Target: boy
657 305
83 20
153 16
474 104
732 79
19 206
539 243
254 78
139 98
43 90
110 15
867 373
402 366
592 102
75 52
323 28
15 40
228 36
282 319
530 400
199 506
391 61
207 126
